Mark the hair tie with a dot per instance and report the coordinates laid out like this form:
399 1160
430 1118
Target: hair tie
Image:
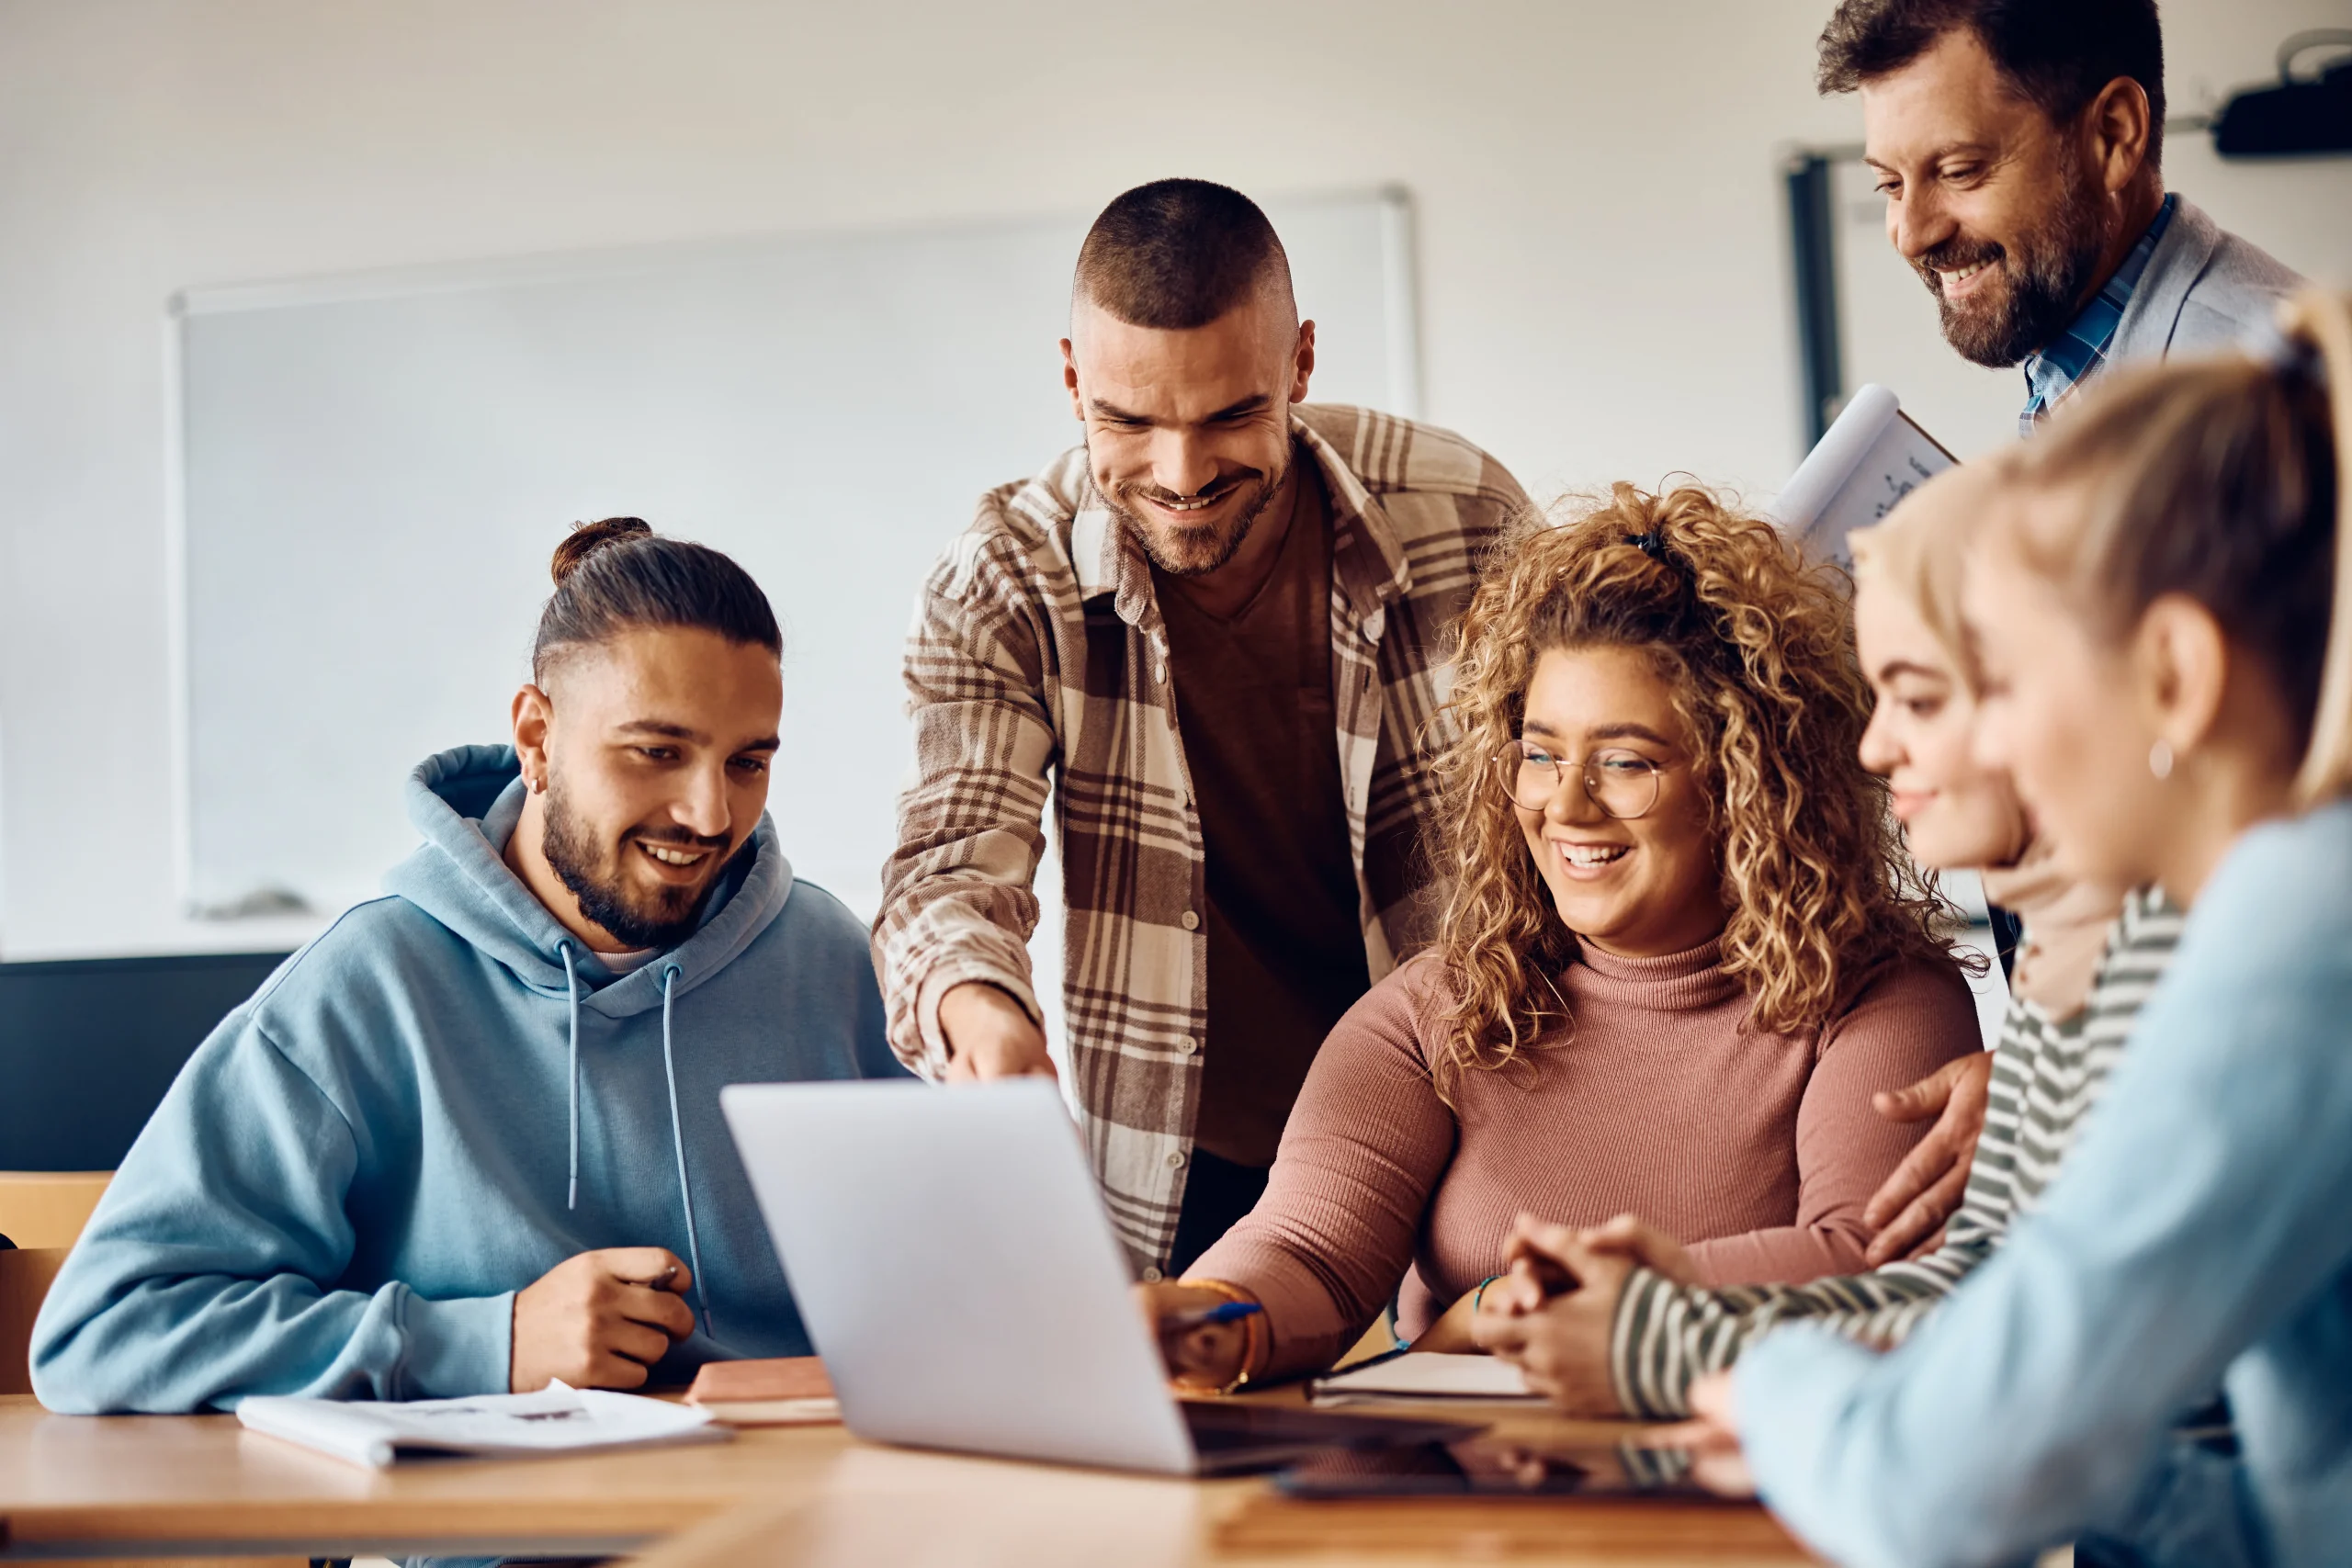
1652 545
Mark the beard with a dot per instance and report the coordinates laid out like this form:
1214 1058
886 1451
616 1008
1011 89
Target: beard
656 917
2044 280
1194 550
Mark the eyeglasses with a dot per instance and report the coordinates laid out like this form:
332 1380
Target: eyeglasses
1622 784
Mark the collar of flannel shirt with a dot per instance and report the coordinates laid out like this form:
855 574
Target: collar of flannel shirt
1365 555
2081 349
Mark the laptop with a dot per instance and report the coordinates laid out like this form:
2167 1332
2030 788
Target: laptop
959 1275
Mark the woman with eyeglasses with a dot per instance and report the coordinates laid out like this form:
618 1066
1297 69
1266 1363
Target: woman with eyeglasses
1679 952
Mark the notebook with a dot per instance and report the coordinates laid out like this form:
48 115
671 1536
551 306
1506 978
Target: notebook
557 1420
779 1391
1423 1374
1872 458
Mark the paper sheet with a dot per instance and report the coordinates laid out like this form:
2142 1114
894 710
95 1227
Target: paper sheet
1872 458
558 1419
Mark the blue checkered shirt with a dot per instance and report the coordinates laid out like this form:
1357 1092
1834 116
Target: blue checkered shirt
2081 349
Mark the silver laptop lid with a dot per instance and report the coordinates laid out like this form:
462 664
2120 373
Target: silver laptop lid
956 1271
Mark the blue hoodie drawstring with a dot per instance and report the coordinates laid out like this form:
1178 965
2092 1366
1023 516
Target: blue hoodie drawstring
571 979
678 1142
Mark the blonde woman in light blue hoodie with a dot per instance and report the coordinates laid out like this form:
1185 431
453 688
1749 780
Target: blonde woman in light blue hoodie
2164 611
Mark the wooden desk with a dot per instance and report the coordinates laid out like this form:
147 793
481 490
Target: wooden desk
806 1498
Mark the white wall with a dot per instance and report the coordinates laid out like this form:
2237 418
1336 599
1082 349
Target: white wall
1602 252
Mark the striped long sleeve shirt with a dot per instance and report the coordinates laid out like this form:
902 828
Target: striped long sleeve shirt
2047 1074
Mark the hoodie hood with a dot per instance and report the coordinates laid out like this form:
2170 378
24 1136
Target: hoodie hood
465 803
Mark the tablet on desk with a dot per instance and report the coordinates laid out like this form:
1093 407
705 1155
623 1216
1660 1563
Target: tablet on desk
1495 1467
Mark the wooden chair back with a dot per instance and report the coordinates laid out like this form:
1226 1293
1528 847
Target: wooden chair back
49 1208
25 1276
43 1212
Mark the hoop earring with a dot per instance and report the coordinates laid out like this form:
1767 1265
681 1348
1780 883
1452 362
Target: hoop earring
2160 759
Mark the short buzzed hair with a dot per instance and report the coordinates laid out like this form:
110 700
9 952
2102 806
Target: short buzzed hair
1177 254
2057 55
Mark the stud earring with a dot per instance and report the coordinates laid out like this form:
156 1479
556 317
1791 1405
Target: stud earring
2160 759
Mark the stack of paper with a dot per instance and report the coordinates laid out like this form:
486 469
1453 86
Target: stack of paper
1423 1374
557 1420
1872 458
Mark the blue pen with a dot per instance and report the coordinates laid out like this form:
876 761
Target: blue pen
1224 1311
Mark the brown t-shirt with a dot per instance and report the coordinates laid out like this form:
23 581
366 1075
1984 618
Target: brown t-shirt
1285 939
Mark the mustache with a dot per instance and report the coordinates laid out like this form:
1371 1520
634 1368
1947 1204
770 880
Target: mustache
1216 490
681 837
1956 254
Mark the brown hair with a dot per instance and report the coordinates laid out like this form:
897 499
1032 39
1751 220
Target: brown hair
1758 650
2221 480
2056 54
1176 254
619 573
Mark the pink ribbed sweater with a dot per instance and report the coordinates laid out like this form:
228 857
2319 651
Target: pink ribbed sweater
1760 1148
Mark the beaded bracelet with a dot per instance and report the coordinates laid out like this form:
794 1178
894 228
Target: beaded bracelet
1479 1294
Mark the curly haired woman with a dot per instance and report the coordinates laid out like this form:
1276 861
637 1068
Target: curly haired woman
1678 953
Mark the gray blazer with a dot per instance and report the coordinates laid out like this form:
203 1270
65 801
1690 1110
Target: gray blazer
2204 288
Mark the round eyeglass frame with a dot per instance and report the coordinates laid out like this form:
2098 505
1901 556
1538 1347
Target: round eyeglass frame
1512 765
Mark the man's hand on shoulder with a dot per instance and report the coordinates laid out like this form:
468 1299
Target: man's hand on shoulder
600 1319
990 1035
1926 1188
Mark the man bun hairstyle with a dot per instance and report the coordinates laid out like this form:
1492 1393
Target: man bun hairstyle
616 574
2058 54
1176 254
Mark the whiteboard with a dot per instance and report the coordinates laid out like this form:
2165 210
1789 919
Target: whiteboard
374 470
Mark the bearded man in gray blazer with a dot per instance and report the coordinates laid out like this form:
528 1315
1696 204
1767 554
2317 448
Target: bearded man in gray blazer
2018 143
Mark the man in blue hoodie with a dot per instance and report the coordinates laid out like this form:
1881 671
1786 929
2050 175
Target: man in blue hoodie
468 1139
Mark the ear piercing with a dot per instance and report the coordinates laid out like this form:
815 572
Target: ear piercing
2160 759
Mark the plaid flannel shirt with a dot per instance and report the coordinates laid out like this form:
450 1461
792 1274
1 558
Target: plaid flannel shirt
2080 350
1038 669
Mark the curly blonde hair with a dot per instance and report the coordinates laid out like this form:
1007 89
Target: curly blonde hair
1758 650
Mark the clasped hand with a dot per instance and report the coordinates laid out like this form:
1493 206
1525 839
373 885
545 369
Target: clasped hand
1551 1310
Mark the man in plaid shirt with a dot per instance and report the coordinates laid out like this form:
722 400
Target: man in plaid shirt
1213 637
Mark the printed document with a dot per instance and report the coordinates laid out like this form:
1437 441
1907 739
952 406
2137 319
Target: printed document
1872 458
557 1420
